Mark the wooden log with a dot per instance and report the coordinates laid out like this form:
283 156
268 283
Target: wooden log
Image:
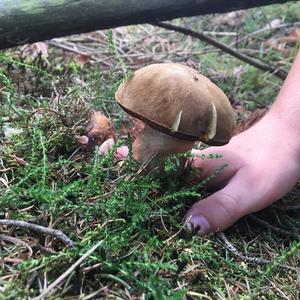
27 21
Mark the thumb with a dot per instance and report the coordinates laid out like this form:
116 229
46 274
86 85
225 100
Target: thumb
223 208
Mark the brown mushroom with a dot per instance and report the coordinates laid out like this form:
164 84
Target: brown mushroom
99 132
179 105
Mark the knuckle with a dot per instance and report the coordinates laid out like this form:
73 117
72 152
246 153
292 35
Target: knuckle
229 205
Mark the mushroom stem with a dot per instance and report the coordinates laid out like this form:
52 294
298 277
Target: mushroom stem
152 143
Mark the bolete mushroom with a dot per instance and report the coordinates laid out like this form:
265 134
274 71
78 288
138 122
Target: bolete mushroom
179 107
99 132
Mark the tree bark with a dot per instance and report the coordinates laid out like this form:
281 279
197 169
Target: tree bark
27 21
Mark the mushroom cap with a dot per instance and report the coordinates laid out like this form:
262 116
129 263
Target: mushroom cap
177 100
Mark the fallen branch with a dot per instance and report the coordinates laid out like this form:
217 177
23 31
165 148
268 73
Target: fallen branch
270 28
25 22
58 44
251 259
37 228
243 57
49 289
267 28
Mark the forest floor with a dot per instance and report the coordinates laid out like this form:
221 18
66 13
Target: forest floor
48 177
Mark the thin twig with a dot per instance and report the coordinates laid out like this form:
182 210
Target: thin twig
270 28
58 44
95 293
50 288
220 33
117 279
13 240
37 228
251 259
243 57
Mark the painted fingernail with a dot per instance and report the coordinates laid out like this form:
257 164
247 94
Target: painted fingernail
199 224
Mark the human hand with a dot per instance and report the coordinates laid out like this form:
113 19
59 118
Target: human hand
263 165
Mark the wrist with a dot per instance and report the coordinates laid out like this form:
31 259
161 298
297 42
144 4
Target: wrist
282 128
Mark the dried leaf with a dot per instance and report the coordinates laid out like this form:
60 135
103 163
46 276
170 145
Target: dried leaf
293 37
82 59
279 46
99 129
232 18
19 160
283 44
273 24
35 49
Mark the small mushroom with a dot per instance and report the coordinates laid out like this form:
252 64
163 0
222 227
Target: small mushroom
99 132
179 106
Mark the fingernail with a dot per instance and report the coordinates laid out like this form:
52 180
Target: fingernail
199 224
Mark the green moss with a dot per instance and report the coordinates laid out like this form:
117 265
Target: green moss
54 181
